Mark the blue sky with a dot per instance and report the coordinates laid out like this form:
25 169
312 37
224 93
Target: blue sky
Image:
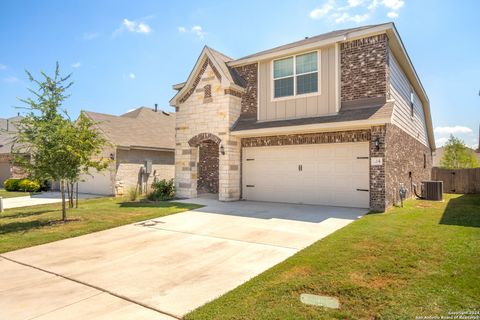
125 54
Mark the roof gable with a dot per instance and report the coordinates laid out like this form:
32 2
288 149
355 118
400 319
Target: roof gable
218 62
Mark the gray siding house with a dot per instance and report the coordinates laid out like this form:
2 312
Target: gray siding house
136 138
336 119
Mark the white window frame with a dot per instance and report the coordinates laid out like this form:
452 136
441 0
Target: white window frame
295 95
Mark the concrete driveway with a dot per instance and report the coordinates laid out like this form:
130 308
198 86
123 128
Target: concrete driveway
37 199
161 269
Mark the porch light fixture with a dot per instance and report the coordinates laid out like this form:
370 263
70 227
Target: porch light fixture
222 150
112 156
377 144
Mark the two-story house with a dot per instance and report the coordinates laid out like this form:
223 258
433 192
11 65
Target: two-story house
337 119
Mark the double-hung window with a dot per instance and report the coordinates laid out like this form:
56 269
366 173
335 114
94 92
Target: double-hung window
295 75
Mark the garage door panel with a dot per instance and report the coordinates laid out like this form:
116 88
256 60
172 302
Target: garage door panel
330 174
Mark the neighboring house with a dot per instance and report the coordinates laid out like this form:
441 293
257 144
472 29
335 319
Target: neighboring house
337 119
139 140
8 127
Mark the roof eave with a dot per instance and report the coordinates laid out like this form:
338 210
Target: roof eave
328 126
341 38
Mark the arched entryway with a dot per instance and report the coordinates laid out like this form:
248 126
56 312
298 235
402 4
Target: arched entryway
207 162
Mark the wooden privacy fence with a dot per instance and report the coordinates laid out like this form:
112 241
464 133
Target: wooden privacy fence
458 180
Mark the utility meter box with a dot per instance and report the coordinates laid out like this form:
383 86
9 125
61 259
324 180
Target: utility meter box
148 166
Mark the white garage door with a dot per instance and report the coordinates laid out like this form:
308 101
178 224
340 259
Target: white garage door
99 183
328 174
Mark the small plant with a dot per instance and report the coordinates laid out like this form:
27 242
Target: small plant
11 184
132 193
25 185
162 190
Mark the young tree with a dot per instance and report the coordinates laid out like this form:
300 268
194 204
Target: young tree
58 148
457 155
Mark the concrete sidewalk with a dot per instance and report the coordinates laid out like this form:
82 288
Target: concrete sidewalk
37 199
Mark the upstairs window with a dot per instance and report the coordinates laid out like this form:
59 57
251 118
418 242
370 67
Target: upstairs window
295 75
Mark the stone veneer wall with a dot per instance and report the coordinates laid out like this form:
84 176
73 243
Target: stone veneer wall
196 118
208 167
249 73
404 154
129 164
364 68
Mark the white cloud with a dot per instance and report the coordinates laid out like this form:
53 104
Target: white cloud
3 67
198 30
90 36
131 75
392 14
133 26
11 79
318 13
356 10
393 4
76 65
452 130
440 141
354 3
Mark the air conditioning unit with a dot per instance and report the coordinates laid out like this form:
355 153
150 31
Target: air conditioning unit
432 190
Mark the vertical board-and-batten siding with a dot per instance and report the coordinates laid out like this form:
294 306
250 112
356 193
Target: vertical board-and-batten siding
400 92
299 106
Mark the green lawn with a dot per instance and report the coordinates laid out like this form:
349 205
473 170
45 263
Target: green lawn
420 260
12 194
25 227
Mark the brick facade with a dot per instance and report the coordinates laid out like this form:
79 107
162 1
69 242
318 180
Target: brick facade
364 68
249 73
208 156
408 162
309 138
400 154
377 172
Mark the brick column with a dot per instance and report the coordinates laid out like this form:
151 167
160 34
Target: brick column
377 172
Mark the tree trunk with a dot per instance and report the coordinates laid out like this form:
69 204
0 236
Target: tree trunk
71 195
76 198
68 193
64 209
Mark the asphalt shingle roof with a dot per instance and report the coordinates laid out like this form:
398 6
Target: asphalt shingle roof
345 114
140 128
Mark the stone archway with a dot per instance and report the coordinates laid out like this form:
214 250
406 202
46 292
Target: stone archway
207 162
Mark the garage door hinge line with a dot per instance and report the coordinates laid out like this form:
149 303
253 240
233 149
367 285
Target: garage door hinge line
93 286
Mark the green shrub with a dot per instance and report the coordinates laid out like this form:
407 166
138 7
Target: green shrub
28 185
11 184
162 190
132 193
